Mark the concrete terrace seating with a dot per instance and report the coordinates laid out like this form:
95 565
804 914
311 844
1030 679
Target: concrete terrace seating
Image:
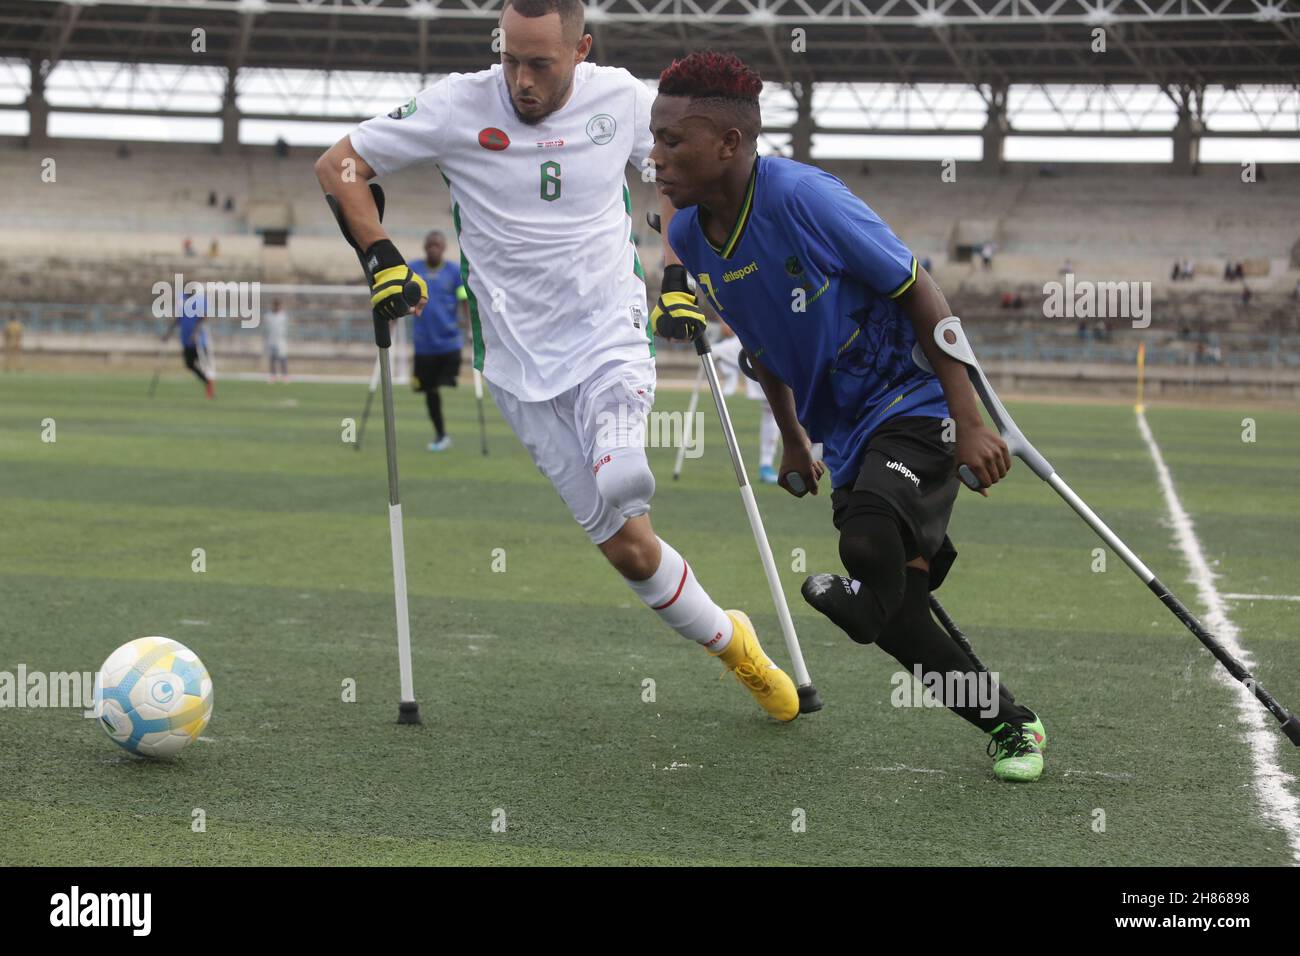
112 215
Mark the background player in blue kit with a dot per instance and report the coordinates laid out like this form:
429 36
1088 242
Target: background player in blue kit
830 303
437 337
190 316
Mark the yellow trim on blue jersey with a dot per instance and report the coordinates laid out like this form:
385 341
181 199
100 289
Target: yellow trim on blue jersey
742 220
856 333
906 285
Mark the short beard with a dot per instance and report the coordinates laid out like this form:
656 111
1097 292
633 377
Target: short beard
533 121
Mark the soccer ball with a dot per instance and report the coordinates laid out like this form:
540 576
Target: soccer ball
153 696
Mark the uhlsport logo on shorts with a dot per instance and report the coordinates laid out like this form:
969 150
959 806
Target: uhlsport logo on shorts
906 472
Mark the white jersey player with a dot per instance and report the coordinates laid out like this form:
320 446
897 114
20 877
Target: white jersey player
535 151
727 355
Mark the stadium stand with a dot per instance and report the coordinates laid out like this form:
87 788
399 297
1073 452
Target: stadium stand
75 259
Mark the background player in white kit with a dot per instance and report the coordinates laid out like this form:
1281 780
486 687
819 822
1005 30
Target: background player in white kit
727 354
276 326
534 151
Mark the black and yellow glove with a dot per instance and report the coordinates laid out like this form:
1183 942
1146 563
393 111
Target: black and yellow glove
394 288
676 314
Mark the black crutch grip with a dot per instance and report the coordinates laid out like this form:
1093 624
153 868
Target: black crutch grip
1291 727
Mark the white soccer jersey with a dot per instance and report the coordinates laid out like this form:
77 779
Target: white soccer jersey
543 218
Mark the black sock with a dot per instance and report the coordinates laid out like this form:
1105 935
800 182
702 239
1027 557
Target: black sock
432 399
916 640
193 365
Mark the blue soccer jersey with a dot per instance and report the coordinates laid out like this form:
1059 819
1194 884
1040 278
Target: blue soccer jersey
435 329
809 280
192 311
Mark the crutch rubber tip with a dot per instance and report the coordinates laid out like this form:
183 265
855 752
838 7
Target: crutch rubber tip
408 712
810 701
1291 727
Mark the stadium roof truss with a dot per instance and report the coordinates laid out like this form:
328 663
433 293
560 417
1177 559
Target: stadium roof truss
1179 47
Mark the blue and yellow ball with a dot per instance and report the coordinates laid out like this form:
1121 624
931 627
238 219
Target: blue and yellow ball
153 696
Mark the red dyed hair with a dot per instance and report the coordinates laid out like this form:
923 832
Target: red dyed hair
711 75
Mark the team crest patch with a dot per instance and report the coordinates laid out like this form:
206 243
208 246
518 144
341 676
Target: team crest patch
493 138
601 128
402 112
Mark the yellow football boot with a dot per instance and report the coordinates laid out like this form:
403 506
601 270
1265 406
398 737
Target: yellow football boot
744 657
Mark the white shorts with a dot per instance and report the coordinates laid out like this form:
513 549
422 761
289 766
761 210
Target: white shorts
573 434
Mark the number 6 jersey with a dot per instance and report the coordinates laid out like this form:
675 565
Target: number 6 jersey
543 218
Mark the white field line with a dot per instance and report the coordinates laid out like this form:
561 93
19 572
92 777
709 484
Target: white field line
1263 597
1272 784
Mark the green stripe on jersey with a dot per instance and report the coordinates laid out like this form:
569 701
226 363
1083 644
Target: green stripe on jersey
637 269
475 326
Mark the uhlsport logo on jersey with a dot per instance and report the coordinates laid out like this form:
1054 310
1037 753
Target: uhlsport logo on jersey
601 128
493 139
906 472
402 112
737 274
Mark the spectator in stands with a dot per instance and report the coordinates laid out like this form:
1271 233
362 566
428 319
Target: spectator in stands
1239 271
1177 272
212 198
214 249
13 345
275 326
1245 295
187 246
1067 267
1228 275
925 264
230 204
986 253
1214 354
1189 270
436 331
281 147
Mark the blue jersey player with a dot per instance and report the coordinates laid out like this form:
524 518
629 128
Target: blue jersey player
829 304
190 314
437 337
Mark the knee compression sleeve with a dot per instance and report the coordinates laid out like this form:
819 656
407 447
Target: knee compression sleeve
871 547
625 482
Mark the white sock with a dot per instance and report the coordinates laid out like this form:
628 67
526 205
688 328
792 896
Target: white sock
674 593
768 433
